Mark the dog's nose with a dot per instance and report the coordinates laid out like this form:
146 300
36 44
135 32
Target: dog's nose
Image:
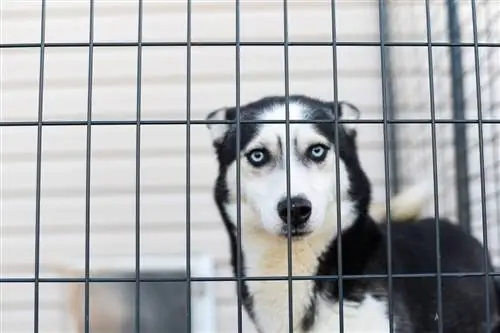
300 210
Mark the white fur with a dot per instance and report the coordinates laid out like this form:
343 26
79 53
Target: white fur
266 253
368 317
406 205
262 189
349 112
217 131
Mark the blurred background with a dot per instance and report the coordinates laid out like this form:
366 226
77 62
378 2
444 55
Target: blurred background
162 241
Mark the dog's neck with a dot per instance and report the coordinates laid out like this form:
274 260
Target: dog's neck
266 255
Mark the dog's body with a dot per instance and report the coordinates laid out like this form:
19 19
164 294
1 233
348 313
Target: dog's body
316 172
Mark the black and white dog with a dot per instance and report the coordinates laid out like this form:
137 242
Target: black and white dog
313 226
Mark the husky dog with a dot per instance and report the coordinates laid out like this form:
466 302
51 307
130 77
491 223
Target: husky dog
320 158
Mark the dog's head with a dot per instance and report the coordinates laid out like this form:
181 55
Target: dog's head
311 162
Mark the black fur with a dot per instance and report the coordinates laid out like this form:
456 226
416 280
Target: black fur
364 245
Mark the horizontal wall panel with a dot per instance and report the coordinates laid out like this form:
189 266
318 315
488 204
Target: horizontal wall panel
210 22
163 147
119 102
69 66
62 249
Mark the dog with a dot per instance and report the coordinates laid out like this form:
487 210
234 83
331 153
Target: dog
326 176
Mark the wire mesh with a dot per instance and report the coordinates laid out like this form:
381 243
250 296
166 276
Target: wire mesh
480 81
458 143
461 72
401 160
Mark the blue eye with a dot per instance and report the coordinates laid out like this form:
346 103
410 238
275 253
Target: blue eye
317 153
258 157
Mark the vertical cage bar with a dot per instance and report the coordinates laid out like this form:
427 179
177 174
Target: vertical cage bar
459 130
88 166
432 101
391 108
337 165
382 27
138 174
38 197
188 167
477 69
287 166
495 147
495 143
238 164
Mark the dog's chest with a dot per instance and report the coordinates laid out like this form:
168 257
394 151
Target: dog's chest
271 309
271 299
369 316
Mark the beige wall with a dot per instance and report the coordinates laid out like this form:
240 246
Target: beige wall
163 148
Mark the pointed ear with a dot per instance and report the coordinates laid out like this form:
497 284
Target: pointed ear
218 131
348 111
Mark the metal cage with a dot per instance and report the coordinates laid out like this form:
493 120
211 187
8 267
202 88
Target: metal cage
102 148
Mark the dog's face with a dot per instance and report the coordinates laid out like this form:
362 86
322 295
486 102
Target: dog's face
264 161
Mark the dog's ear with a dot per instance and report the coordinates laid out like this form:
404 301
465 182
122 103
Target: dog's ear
218 130
347 111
